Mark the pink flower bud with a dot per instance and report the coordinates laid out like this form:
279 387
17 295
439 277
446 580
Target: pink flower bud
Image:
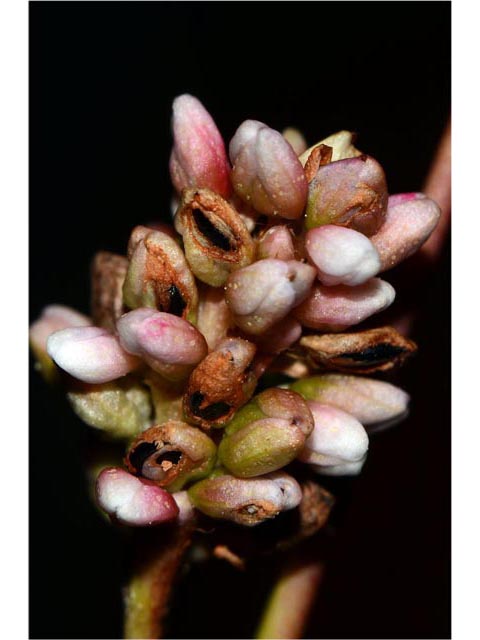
411 218
163 340
277 243
335 308
341 255
90 354
264 292
279 337
198 157
337 437
266 171
134 501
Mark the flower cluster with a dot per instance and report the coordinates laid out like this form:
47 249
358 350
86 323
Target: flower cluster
274 254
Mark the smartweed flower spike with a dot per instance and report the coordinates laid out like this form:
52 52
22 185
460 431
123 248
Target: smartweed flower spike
215 238
108 275
90 354
246 501
379 349
169 345
158 275
337 439
369 401
341 255
53 318
266 171
350 193
198 156
171 454
335 308
266 434
410 220
220 384
134 501
121 409
266 291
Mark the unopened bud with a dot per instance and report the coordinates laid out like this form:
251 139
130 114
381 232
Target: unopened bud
341 255
369 401
266 171
133 501
265 292
350 193
198 156
337 438
410 219
121 409
171 346
245 501
215 238
341 144
220 384
158 275
338 307
171 454
53 318
361 352
277 243
90 354
266 434
295 139
279 337
108 275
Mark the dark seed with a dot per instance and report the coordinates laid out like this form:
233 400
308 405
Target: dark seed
375 355
214 235
138 456
177 303
211 412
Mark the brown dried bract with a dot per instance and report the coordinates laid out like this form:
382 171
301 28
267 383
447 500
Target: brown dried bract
222 552
319 156
362 352
108 272
220 384
215 237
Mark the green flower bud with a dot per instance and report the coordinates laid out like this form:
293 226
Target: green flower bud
122 409
171 455
267 434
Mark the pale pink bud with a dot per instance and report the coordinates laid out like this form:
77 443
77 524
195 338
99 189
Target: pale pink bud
343 469
410 219
53 318
90 354
198 157
277 243
134 501
279 337
337 437
162 340
266 171
341 255
335 308
370 401
264 292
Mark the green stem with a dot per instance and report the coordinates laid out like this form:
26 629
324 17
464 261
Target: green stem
291 599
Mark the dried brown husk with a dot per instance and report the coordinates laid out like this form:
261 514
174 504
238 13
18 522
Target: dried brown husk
216 240
222 383
108 273
320 155
368 351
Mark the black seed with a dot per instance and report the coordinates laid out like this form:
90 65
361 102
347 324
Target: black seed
211 412
177 303
210 231
382 352
169 456
138 456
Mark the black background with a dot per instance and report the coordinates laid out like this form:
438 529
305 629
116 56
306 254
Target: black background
102 78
